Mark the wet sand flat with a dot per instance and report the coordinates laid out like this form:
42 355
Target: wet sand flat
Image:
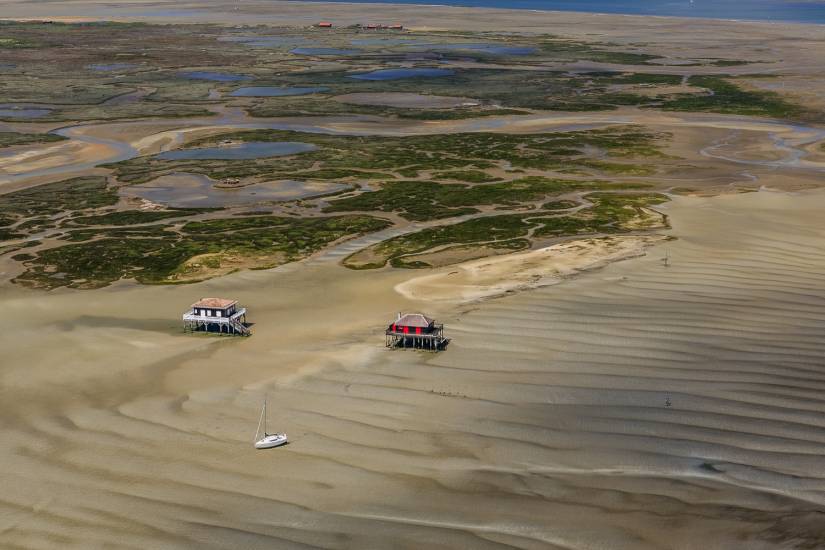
195 191
544 424
492 277
633 406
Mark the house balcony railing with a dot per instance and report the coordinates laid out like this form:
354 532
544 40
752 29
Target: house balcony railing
190 316
436 332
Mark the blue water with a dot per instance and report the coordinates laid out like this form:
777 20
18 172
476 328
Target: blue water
812 11
324 51
398 74
19 111
242 151
215 77
381 41
273 91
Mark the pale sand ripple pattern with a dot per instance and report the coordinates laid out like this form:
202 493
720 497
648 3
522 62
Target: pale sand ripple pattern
544 425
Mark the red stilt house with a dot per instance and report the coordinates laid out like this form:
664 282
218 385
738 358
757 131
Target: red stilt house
415 330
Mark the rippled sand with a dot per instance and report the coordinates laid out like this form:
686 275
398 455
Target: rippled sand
544 425
496 276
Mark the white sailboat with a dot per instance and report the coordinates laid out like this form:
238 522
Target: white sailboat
268 440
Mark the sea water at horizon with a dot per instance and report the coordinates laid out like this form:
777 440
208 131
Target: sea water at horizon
810 11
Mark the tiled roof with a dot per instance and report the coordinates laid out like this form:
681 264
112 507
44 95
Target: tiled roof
414 320
219 303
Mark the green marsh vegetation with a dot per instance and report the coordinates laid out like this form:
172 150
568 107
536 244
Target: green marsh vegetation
548 47
514 91
323 105
30 209
9 139
135 217
469 176
157 254
57 66
501 228
103 246
22 88
511 89
560 49
383 158
728 98
459 162
610 213
54 64
427 200
488 177
52 198
562 204
9 43
71 203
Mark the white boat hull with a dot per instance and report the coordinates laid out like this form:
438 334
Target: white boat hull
270 441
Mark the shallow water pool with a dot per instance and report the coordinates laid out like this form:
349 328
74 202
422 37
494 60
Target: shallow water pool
195 191
23 111
240 151
398 74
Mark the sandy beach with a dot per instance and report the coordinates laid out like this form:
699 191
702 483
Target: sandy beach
592 396
548 411
494 277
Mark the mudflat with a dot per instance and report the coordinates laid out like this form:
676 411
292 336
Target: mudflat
113 415
618 222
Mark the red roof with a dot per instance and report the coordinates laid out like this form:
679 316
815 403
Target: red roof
218 303
414 320
324 24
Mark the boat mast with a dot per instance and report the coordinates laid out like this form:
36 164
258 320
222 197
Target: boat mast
262 419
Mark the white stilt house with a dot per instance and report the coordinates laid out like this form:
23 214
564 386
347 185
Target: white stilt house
216 315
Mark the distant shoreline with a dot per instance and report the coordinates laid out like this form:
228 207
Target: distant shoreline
471 4
438 16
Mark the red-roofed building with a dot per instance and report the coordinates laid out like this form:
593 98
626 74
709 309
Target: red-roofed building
415 330
324 25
